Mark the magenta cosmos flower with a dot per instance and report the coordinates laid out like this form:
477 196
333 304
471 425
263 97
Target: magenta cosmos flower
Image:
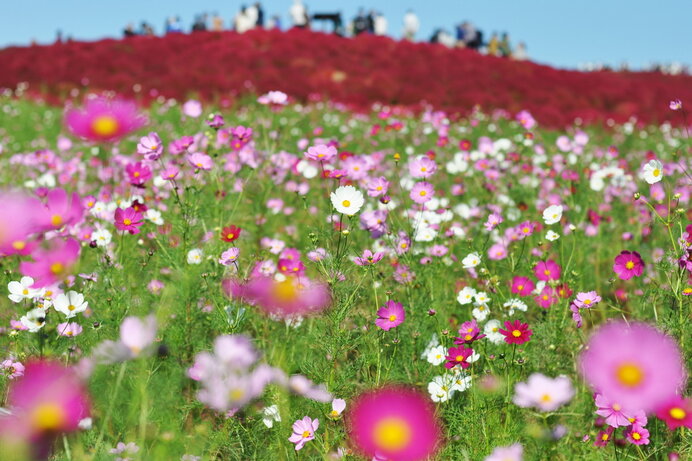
516 332
458 356
128 220
391 315
48 400
368 258
304 431
628 264
634 365
677 412
61 209
138 173
103 119
394 423
51 265
293 296
547 270
19 218
522 286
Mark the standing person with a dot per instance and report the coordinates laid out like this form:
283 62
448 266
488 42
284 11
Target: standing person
216 23
380 24
505 47
459 35
411 25
299 15
260 15
520 53
252 14
494 45
360 23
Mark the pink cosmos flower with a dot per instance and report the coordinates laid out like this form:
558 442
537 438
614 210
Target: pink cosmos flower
128 220
547 270
137 338
628 264
61 209
378 186
69 329
216 121
150 146
321 153
229 256
200 161
368 258
468 333
526 120
547 297
394 423
104 119
613 412
634 365
138 173
513 452
304 431
52 265
587 300
422 167
338 407
497 252
276 98
522 286
391 315
544 393
293 296
422 192
676 412
493 221
192 108
12 369
675 104
170 173
19 218
637 435
48 400
525 229
301 385
604 437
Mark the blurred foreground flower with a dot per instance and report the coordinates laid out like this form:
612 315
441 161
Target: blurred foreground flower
103 119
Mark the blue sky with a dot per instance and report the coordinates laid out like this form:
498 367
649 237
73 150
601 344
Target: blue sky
558 32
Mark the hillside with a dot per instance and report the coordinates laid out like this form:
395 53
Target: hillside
356 71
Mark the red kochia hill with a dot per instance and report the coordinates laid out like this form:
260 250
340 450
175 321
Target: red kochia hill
358 71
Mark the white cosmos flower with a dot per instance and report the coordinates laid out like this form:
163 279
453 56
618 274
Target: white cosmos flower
307 169
154 216
195 256
270 414
460 380
102 237
492 331
653 172
515 305
471 261
481 298
552 214
347 200
22 290
481 312
436 355
434 342
440 388
552 236
34 320
466 295
70 303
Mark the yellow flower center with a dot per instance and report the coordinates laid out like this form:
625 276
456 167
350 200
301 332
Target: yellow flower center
346 203
516 333
57 268
546 272
636 435
629 265
630 374
306 434
423 193
25 292
127 222
285 291
71 308
460 358
236 394
520 287
468 337
656 172
19 245
48 417
136 174
334 413
546 398
677 413
605 437
56 220
392 318
105 126
392 434
230 236
617 407
587 301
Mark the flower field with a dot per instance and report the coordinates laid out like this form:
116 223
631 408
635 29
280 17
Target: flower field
279 280
306 65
